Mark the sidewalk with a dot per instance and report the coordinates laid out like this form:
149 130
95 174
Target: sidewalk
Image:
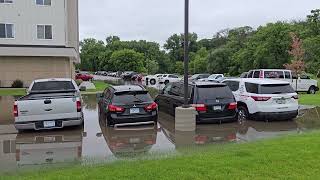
8 129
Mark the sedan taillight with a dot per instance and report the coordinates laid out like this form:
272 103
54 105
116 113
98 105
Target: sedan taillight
151 107
232 106
113 108
15 110
200 107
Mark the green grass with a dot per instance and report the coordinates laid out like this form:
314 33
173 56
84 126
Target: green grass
290 157
310 99
12 91
100 87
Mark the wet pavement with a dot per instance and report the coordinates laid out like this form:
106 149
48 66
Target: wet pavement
94 142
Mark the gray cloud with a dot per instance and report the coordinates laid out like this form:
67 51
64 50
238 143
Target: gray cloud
156 20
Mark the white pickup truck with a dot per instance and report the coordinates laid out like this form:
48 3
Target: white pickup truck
49 104
299 84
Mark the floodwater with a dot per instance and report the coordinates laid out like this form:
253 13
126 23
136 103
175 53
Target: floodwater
94 142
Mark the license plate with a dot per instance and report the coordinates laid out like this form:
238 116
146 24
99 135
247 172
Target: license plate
134 110
48 124
49 139
134 140
280 101
217 108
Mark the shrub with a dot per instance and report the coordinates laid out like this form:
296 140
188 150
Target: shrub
79 81
17 84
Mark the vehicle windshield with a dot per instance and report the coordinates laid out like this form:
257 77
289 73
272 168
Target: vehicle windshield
53 86
209 94
275 89
131 97
194 76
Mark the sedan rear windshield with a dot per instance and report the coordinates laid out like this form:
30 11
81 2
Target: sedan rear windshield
132 97
210 93
275 89
53 86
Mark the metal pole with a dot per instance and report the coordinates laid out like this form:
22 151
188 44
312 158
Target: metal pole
186 53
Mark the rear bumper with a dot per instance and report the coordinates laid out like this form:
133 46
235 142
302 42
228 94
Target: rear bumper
216 120
38 125
275 115
136 119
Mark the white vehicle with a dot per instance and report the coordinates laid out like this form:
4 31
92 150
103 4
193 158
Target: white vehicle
303 84
264 99
152 79
168 78
49 104
214 77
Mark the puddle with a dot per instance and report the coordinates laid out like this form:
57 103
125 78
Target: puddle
94 141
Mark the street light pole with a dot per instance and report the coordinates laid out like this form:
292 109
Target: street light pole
186 53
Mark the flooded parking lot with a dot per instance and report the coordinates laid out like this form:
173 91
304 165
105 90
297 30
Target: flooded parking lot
95 142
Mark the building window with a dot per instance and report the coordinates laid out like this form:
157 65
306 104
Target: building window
44 31
6 30
43 2
6 1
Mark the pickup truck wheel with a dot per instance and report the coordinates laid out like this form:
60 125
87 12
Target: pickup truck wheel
166 82
243 113
312 90
153 82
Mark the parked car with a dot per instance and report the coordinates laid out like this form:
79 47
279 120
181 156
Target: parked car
128 74
264 99
128 105
244 75
214 78
167 78
152 79
137 77
300 84
49 104
214 102
84 76
198 76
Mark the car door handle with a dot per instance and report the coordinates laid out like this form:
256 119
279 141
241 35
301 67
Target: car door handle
47 110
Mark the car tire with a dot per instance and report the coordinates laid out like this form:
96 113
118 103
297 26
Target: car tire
166 82
312 90
153 82
243 113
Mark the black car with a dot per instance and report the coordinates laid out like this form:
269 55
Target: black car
198 76
128 75
213 101
128 105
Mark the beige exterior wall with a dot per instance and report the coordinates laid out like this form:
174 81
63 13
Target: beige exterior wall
28 69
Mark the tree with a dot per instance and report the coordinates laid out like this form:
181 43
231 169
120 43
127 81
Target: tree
128 60
199 64
112 39
91 49
297 65
219 61
313 21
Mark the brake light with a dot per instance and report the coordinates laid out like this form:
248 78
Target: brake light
15 110
261 74
260 98
79 108
200 107
232 106
151 107
113 108
295 97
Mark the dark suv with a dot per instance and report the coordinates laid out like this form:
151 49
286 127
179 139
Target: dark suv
213 101
128 105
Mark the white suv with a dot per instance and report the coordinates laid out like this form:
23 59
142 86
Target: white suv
168 78
264 99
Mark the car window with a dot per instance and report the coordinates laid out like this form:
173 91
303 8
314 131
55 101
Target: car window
287 75
131 98
167 88
256 74
252 88
275 89
233 85
182 91
250 74
175 90
173 76
304 76
274 74
53 86
210 94
165 75
107 94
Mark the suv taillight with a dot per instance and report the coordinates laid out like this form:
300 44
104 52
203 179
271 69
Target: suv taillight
79 108
113 108
200 107
15 110
232 106
260 98
261 74
151 107
295 97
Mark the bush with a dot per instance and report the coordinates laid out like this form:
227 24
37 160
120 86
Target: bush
79 81
17 84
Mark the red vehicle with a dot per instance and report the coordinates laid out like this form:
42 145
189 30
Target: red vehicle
84 77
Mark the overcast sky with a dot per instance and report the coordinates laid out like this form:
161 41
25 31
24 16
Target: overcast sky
156 20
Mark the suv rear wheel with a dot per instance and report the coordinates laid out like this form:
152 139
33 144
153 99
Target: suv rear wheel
312 90
243 113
